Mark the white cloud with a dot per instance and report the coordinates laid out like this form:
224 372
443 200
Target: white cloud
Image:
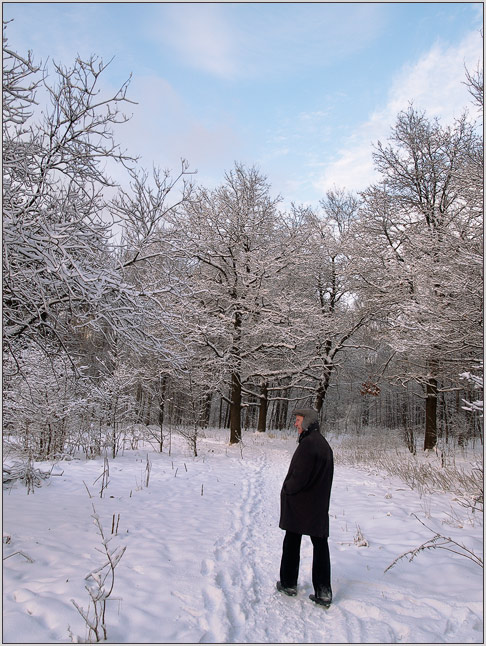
255 40
200 35
61 31
434 84
165 129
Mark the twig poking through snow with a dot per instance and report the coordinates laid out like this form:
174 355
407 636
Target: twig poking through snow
439 542
100 592
359 539
148 468
21 554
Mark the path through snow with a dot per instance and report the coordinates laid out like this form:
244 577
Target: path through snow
203 554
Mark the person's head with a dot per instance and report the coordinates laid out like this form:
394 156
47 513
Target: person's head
298 423
304 417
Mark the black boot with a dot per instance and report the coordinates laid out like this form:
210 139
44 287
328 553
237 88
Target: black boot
323 597
290 590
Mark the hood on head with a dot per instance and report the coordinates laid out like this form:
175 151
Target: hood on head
309 414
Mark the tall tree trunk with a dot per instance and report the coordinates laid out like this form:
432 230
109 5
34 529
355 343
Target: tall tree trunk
148 402
163 388
276 413
227 413
262 412
322 391
283 411
235 409
113 435
326 379
430 440
220 422
206 410
235 412
320 396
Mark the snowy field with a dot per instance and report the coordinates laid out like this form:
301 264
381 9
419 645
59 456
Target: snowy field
203 553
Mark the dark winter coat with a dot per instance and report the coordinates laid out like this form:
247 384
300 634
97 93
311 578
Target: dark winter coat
304 500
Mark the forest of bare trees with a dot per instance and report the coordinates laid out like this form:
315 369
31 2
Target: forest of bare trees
158 304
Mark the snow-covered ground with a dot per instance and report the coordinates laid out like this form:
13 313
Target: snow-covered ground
203 554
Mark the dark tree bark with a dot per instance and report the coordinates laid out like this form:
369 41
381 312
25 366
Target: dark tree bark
430 440
206 410
262 412
163 388
235 409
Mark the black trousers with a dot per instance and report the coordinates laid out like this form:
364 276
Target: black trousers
321 562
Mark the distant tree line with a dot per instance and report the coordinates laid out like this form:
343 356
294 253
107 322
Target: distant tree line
217 307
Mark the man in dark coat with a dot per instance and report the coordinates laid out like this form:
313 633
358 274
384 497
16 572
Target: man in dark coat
304 508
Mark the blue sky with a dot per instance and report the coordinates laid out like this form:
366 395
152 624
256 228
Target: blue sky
301 90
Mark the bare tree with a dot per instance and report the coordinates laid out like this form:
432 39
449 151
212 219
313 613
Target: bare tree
420 230
475 83
326 310
230 237
67 290
56 263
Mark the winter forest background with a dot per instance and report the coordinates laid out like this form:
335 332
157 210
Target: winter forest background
158 315
157 305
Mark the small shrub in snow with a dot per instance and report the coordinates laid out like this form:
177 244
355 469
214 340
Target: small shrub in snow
359 539
100 588
105 477
29 475
425 474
